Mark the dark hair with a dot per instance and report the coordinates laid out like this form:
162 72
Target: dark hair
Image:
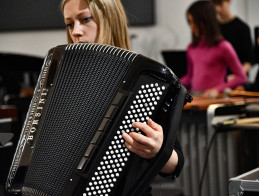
204 16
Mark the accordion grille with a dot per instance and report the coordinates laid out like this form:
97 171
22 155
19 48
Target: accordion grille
83 89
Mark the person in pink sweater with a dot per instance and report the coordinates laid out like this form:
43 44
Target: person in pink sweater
209 54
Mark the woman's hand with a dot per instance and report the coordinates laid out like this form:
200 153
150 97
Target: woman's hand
211 93
146 146
230 77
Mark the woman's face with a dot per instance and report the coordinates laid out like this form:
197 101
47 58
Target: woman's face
193 26
79 21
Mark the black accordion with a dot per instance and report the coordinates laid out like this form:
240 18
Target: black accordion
86 96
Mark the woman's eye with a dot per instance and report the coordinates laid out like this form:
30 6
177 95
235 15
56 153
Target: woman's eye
69 25
87 19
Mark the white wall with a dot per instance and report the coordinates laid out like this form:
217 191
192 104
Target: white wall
170 32
35 43
253 14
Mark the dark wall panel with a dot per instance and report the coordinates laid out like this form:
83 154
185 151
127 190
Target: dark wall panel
140 12
30 14
46 14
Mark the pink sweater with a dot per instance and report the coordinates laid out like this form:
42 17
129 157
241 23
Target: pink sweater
207 67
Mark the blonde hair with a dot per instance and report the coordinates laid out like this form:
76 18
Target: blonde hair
111 20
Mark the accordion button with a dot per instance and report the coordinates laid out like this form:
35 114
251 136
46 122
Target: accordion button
97 138
83 163
165 109
111 112
90 150
167 104
104 124
118 99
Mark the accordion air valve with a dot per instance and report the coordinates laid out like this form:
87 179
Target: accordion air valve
87 95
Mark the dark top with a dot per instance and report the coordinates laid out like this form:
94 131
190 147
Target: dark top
255 85
177 171
238 34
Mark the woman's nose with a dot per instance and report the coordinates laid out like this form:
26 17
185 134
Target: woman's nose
218 9
77 30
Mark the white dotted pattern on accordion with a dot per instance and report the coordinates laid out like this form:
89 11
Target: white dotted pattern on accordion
113 162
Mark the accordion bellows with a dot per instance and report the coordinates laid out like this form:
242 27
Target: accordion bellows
86 96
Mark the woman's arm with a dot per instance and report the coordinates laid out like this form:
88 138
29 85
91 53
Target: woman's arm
148 146
230 57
